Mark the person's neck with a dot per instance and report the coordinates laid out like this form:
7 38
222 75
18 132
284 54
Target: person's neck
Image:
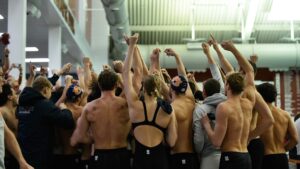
9 106
148 98
108 93
177 96
233 96
70 104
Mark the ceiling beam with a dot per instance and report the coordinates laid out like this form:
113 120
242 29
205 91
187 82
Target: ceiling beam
261 27
251 15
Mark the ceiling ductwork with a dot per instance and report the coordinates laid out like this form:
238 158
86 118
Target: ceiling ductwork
117 18
276 57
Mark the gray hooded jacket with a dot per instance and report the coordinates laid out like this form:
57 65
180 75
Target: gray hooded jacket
203 145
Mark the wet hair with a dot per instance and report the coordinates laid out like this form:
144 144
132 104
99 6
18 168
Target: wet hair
149 85
179 84
6 91
197 93
267 91
211 86
107 80
166 78
95 90
297 117
40 83
236 83
57 94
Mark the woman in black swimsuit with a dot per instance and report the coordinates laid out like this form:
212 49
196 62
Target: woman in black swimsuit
151 118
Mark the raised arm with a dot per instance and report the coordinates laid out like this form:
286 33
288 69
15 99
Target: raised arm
154 60
20 79
179 63
145 68
214 69
243 62
87 71
68 82
224 62
130 93
180 69
31 75
5 60
265 116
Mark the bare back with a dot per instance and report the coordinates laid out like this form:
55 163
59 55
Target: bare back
275 137
149 135
238 125
109 122
65 134
184 107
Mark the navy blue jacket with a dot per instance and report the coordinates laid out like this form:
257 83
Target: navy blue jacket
37 118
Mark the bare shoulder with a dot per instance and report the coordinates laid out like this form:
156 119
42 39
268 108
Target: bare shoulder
224 107
285 113
250 93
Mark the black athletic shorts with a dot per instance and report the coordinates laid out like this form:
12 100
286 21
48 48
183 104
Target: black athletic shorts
184 161
110 159
276 161
66 161
256 150
235 160
150 157
10 162
84 164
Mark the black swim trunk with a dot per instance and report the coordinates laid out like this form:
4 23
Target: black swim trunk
150 157
184 161
235 160
66 161
276 161
256 150
10 162
84 164
111 159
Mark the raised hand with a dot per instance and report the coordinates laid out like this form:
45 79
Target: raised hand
254 58
170 52
43 70
118 66
67 67
191 77
68 79
133 39
205 47
228 45
155 54
32 70
106 67
212 41
4 39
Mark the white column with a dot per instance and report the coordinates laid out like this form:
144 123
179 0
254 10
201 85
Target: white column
100 36
17 30
82 15
54 47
